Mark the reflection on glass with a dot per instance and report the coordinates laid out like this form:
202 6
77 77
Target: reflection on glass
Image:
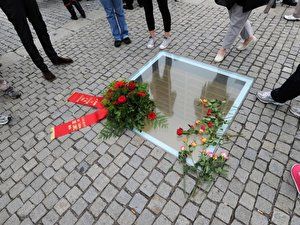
176 86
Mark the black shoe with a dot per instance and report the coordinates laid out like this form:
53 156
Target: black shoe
49 76
74 17
140 3
83 14
274 5
129 7
61 61
12 93
117 43
127 41
289 2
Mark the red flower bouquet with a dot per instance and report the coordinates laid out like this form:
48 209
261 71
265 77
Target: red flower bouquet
130 107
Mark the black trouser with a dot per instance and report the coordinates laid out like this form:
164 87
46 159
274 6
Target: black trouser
69 5
130 2
164 10
289 90
17 11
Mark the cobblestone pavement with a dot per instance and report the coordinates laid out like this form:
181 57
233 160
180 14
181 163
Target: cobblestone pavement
78 179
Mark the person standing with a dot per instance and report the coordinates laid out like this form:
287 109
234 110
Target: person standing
288 91
9 91
296 15
164 10
129 4
69 5
116 18
17 12
239 12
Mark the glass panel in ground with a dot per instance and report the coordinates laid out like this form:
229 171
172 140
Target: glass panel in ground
176 87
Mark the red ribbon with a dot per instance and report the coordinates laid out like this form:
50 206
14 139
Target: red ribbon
87 120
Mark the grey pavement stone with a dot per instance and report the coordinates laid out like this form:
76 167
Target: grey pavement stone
90 194
243 214
224 213
13 220
280 217
138 202
33 167
114 210
61 206
14 205
38 213
171 210
127 217
162 220
179 197
105 219
68 218
109 193
73 194
258 218
156 204
201 220
190 211
80 205
148 188
146 218
86 219
25 209
50 218
164 190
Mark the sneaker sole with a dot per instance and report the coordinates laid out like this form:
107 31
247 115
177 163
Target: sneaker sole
274 103
295 180
294 113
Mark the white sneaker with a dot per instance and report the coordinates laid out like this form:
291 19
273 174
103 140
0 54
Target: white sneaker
151 42
219 58
265 97
295 110
242 47
4 119
291 18
165 43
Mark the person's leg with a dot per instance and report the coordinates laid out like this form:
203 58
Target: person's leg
35 17
16 14
289 90
296 13
111 18
238 20
8 90
128 4
79 8
164 9
247 36
148 7
69 6
120 16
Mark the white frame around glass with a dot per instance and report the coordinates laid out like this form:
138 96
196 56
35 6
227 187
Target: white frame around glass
230 115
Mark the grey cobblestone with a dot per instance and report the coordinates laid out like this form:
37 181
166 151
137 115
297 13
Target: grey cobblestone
79 178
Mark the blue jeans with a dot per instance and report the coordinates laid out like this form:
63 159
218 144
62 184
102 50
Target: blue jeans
116 18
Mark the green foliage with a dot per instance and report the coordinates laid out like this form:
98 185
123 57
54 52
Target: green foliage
208 164
130 107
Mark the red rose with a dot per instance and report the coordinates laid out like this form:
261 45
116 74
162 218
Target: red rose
141 94
202 127
119 84
209 111
152 116
210 124
179 131
131 85
122 99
